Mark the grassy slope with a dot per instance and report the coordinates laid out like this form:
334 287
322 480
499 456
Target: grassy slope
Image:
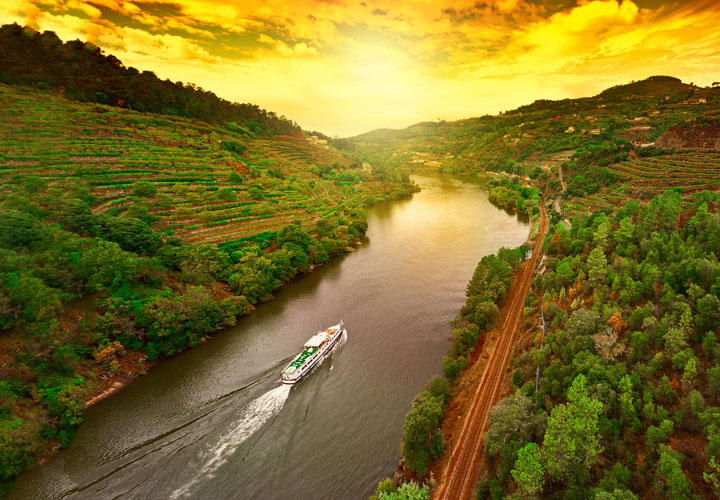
110 149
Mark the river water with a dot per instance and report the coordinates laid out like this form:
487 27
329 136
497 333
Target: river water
215 422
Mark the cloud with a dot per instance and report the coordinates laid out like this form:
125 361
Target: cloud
345 67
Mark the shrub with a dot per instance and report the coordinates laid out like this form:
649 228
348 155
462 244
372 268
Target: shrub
233 146
144 188
20 230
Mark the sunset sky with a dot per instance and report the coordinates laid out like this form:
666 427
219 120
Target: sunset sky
345 67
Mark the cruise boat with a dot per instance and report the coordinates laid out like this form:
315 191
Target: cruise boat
315 350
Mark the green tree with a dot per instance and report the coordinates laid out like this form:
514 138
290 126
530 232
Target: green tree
408 491
144 188
708 313
226 194
597 266
572 439
422 441
626 400
709 345
600 235
713 375
528 471
485 314
386 486
675 340
616 494
76 216
670 474
512 419
624 234
20 230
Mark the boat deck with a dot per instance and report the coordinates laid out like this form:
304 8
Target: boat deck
309 351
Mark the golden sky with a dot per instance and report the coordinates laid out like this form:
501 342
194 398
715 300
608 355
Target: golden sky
345 67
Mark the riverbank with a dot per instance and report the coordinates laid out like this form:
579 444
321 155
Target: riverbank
458 470
476 360
99 342
396 308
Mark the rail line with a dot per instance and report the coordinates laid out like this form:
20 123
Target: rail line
460 475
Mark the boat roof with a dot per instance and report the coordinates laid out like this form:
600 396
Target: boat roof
315 341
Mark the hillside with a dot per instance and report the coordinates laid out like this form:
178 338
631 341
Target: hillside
82 71
616 124
126 237
612 390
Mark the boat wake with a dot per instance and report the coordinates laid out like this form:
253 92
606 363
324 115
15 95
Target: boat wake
251 419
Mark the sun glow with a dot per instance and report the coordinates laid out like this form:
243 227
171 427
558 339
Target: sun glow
347 68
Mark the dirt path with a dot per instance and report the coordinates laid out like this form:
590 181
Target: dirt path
459 477
558 208
562 181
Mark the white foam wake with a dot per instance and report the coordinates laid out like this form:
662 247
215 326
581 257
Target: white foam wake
252 418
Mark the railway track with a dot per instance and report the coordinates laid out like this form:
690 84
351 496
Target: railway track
460 475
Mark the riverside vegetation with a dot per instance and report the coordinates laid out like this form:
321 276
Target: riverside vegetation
626 405
129 236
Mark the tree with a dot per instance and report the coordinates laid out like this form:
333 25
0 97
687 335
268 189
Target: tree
226 194
671 475
20 230
131 234
528 471
600 235
675 340
624 234
713 375
616 494
512 419
572 439
709 345
386 486
597 266
708 313
626 400
690 372
582 322
485 314
77 216
453 366
422 441
408 491
144 188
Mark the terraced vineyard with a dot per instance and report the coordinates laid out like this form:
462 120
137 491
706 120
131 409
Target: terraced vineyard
644 178
690 172
203 183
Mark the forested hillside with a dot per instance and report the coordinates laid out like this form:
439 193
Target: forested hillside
626 402
126 237
82 71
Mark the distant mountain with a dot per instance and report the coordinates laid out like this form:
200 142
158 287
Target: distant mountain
82 71
614 125
386 134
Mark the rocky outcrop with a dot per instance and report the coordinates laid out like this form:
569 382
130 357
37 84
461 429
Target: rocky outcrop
698 133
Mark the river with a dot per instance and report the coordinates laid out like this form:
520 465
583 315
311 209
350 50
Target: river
215 423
